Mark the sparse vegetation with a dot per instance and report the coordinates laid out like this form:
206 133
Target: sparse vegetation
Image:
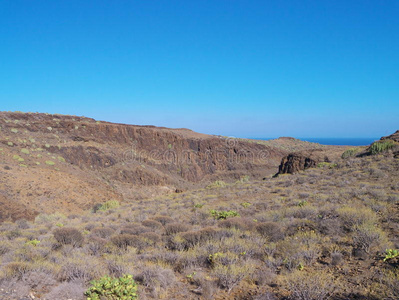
381 146
324 233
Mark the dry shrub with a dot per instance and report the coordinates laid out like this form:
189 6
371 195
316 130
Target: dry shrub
116 269
67 290
271 230
174 228
366 237
152 224
134 229
4 247
193 238
330 227
336 258
68 236
102 232
236 223
266 296
263 276
205 286
16 269
123 241
163 220
152 238
228 276
155 278
72 271
22 224
95 245
300 225
355 216
310 286
39 280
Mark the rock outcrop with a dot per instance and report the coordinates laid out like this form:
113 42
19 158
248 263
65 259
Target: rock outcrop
302 160
393 137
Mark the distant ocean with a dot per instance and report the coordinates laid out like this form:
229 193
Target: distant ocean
336 141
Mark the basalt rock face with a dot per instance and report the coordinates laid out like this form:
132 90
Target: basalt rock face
294 163
52 163
300 161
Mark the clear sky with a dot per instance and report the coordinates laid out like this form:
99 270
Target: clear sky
238 68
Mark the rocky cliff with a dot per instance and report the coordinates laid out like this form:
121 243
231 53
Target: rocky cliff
64 163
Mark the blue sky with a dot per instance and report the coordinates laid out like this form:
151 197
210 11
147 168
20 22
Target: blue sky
237 68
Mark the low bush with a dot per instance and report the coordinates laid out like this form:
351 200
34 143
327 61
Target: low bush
366 237
123 241
107 288
216 184
271 230
174 228
192 238
109 205
163 219
310 286
152 224
349 153
102 232
236 223
222 215
68 236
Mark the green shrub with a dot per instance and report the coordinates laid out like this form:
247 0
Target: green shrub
25 151
391 253
33 242
107 288
349 153
223 214
245 204
216 184
109 205
381 146
17 157
50 163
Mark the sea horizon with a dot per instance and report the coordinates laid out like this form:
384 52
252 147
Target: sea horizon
337 141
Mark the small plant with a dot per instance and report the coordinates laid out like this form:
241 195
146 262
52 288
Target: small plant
223 214
349 153
18 158
391 253
216 184
33 242
302 203
198 205
109 205
327 165
50 163
300 266
190 277
381 146
245 204
107 288
243 179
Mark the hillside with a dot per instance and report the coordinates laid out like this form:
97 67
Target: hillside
51 163
330 231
